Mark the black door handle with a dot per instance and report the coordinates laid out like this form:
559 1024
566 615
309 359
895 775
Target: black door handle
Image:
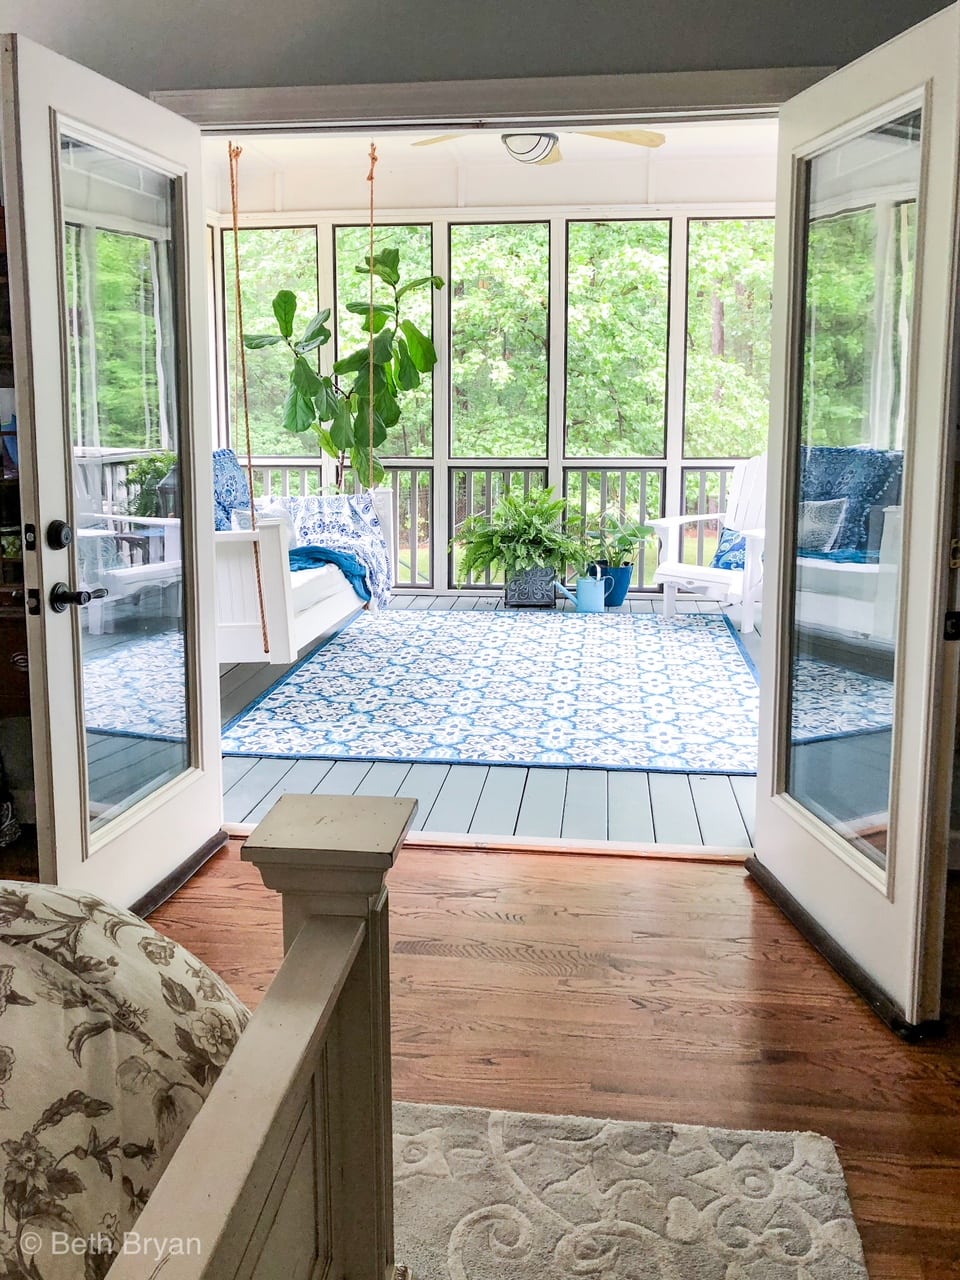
61 596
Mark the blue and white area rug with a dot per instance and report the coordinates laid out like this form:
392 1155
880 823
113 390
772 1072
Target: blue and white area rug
137 689
588 691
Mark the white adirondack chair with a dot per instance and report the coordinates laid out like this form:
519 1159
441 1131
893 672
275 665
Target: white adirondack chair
745 512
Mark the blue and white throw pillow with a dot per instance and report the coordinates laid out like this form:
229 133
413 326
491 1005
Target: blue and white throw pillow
230 488
731 550
819 524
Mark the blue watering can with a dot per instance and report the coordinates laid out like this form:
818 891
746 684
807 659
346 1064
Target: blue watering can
591 593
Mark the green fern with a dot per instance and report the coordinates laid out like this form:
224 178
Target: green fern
524 531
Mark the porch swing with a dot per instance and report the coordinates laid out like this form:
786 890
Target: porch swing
266 610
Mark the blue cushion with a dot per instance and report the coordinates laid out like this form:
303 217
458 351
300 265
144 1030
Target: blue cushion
731 550
230 487
867 478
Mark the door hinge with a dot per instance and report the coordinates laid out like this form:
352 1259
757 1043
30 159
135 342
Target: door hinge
951 625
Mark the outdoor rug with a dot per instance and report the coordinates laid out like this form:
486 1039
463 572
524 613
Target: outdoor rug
587 691
137 689
497 1195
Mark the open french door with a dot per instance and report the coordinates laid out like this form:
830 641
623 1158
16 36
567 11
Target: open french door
106 264
858 700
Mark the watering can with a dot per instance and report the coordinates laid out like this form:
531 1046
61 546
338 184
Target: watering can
591 593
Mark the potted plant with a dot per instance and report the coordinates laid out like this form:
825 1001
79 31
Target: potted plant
524 537
617 542
337 408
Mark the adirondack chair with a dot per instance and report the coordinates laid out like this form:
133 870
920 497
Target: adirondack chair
738 584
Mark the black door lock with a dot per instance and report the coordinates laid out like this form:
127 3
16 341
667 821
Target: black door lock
59 535
61 597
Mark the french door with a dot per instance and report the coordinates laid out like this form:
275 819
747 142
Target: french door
105 242
859 697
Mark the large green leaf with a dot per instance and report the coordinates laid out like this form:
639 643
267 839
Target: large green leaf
317 326
285 308
383 347
422 351
436 281
257 341
326 443
298 413
354 361
305 378
385 403
360 461
404 370
341 430
379 308
326 400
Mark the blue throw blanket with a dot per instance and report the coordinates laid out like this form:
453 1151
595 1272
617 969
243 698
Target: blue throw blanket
350 566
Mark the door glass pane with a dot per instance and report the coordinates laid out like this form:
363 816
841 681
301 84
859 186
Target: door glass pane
499 305
618 296
119 297
413 434
854 428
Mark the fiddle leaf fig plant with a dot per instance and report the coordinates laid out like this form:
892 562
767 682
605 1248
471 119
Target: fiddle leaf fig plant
337 408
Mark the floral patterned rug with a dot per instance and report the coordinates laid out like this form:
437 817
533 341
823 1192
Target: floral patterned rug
588 691
495 1195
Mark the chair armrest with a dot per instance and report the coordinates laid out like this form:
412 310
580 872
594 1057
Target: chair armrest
667 529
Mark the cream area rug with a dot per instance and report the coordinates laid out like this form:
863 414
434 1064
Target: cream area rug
499 1195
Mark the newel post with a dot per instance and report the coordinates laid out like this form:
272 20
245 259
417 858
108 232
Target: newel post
327 856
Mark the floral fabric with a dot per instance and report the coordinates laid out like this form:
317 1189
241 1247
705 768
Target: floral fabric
231 489
731 550
869 479
111 1037
342 522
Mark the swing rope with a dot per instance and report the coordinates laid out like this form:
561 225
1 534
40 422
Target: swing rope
370 179
241 362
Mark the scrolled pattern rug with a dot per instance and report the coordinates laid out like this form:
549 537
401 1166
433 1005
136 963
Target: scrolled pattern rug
588 691
495 1195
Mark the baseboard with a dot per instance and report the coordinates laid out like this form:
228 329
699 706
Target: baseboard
883 1006
547 844
179 876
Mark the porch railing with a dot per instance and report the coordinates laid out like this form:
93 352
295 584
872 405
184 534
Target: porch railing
476 491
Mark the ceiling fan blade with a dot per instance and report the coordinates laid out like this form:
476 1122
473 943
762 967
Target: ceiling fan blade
553 158
636 137
441 137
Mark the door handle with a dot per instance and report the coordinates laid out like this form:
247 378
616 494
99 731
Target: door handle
61 596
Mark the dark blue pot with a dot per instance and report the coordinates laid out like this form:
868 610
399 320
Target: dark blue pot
619 576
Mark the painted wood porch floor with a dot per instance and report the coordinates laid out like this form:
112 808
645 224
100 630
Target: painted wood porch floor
497 801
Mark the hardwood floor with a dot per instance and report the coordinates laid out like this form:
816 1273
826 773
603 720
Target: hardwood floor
648 990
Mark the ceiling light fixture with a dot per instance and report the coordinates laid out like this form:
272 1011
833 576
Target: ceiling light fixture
529 148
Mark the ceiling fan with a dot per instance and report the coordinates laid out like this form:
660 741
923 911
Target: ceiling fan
533 147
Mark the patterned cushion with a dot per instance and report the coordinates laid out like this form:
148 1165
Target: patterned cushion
818 524
112 1036
344 522
731 550
230 487
867 478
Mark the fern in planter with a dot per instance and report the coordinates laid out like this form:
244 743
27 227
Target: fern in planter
524 532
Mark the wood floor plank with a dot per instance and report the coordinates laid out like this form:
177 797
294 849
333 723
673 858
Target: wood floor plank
464 602
454 807
249 790
674 813
400 600
234 767
745 789
302 779
384 779
585 805
488 602
541 810
637 990
423 784
718 813
343 779
629 812
442 602
499 803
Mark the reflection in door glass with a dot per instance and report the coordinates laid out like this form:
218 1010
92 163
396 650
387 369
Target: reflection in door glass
846 522
120 332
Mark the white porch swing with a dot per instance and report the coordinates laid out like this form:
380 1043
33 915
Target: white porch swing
265 611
